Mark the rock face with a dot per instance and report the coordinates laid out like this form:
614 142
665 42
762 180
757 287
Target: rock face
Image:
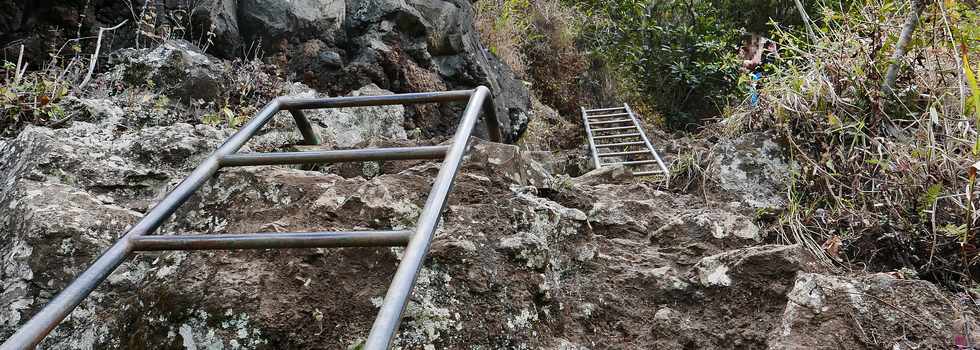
834 312
754 169
269 21
408 46
178 68
334 46
522 259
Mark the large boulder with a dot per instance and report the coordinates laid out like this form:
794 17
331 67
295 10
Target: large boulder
176 67
753 168
269 21
874 311
402 46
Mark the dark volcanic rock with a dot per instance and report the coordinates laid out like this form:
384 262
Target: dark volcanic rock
334 46
219 17
270 21
178 68
402 46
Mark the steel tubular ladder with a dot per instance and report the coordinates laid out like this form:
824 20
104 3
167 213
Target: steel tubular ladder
624 131
417 241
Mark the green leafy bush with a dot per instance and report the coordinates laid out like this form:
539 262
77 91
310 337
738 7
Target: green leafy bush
678 57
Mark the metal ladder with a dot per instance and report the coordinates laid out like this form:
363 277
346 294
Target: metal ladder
623 137
415 241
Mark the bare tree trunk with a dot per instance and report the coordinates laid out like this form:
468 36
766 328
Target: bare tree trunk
95 55
888 85
806 20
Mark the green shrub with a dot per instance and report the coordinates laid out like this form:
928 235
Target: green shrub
680 57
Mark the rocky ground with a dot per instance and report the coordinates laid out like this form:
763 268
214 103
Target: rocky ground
527 256
524 258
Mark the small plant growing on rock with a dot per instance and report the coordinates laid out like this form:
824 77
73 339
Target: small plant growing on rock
34 97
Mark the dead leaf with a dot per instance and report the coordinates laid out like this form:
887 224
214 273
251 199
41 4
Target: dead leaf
896 275
973 169
832 247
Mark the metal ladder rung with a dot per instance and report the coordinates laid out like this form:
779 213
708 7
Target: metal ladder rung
615 136
634 162
607 115
622 153
620 144
644 173
612 121
273 240
604 109
334 156
616 128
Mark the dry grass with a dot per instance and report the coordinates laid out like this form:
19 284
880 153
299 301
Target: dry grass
504 28
538 39
884 176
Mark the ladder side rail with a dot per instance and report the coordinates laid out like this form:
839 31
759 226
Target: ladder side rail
646 140
396 298
588 136
310 137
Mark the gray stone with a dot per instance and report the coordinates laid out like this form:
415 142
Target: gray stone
339 127
604 175
754 168
665 314
176 67
730 268
273 20
507 160
844 311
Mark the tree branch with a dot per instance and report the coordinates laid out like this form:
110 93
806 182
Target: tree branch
888 85
95 56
